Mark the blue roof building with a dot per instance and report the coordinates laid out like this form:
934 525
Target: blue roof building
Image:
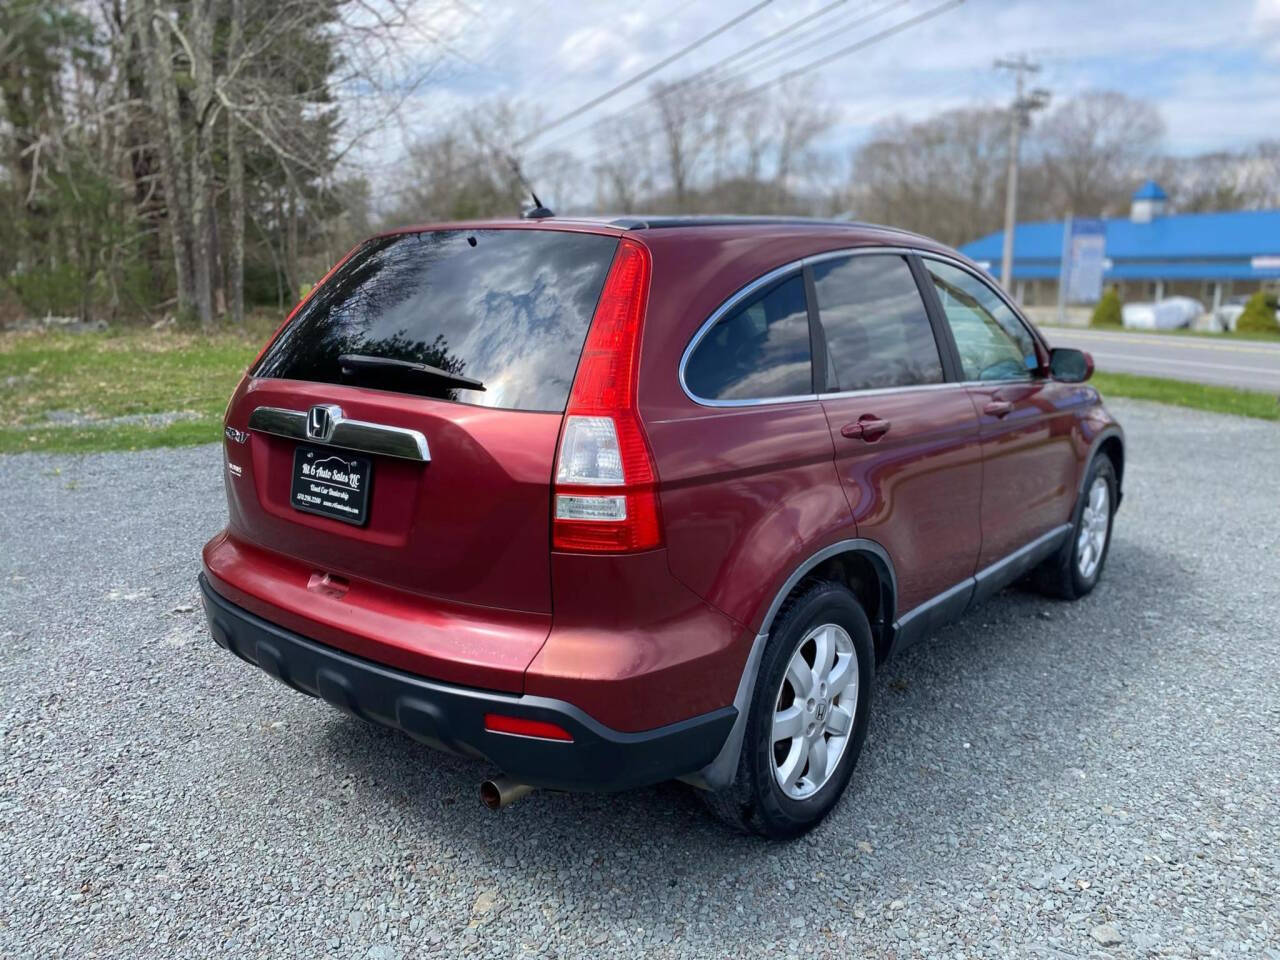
1150 253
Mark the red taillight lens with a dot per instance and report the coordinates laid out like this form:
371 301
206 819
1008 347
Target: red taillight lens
523 727
605 494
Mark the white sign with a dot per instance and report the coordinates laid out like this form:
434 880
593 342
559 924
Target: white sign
1085 257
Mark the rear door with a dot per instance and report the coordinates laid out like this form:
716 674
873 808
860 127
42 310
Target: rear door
906 439
432 370
1027 419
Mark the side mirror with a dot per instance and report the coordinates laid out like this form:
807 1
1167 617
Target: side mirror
1070 366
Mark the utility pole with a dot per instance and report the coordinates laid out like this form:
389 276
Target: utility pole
1019 119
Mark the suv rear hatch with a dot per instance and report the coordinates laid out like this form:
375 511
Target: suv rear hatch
399 441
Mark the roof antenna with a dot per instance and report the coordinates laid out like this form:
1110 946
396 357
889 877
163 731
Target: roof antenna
537 211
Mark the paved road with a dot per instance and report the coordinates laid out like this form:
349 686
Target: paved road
1236 363
1040 779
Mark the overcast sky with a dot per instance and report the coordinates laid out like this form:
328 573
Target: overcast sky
1213 68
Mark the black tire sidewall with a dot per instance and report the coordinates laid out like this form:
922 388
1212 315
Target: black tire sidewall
825 603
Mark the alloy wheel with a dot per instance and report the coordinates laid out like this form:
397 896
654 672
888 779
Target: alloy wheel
814 711
1095 519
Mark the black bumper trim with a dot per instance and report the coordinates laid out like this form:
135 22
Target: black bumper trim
451 718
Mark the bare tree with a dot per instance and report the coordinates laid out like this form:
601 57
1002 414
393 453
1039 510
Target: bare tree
624 168
464 170
1247 179
799 119
1095 147
942 176
686 128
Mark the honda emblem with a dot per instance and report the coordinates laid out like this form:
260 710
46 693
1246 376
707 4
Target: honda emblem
321 421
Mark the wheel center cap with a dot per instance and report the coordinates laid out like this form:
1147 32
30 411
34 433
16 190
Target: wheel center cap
820 711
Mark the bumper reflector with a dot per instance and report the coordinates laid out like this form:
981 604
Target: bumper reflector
522 727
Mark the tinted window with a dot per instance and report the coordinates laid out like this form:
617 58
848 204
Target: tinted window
760 350
509 308
993 343
877 330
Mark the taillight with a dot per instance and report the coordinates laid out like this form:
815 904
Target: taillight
606 486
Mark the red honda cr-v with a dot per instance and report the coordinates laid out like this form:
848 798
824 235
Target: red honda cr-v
608 503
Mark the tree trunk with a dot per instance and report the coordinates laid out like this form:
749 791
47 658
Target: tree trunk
202 157
235 181
163 90
291 244
145 163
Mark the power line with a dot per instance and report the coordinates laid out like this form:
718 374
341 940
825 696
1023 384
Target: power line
859 45
779 56
801 70
565 78
642 75
764 41
705 71
755 91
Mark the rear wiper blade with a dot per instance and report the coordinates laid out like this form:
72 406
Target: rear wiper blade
358 361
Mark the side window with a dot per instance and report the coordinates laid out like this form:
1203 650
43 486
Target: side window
993 343
878 333
758 351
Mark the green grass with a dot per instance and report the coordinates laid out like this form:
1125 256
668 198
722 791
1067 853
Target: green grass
105 375
1198 396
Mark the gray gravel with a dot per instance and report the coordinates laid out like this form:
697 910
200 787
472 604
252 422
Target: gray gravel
1043 779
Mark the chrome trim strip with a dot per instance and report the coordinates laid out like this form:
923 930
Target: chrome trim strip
359 435
877 391
795 265
281 422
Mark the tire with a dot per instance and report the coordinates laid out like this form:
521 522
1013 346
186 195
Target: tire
1064 575
821 615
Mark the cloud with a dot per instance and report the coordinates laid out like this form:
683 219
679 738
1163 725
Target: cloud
1212 76
584 51
1266 21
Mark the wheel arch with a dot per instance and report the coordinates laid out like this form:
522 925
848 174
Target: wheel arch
867 569
1108 443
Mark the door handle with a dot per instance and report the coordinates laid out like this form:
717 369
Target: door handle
867 427
998 408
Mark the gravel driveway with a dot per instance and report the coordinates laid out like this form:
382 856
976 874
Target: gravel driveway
1042 779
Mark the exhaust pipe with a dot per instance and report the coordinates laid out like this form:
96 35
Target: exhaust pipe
502 792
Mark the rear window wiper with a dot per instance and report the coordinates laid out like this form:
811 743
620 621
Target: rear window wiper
359 361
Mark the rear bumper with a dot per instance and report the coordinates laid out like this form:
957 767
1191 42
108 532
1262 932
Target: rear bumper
451 718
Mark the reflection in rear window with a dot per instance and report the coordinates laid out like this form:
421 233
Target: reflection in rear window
507 308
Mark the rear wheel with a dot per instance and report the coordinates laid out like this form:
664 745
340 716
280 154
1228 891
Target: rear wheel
1075 569
808 716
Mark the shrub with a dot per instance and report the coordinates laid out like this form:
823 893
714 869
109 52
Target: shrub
1107 313
1259 314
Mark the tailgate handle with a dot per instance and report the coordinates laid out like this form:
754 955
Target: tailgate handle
333 429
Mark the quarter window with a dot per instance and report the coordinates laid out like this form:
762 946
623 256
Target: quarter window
993 343
757 352
877 330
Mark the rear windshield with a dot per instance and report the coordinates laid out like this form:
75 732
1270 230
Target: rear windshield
508 309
